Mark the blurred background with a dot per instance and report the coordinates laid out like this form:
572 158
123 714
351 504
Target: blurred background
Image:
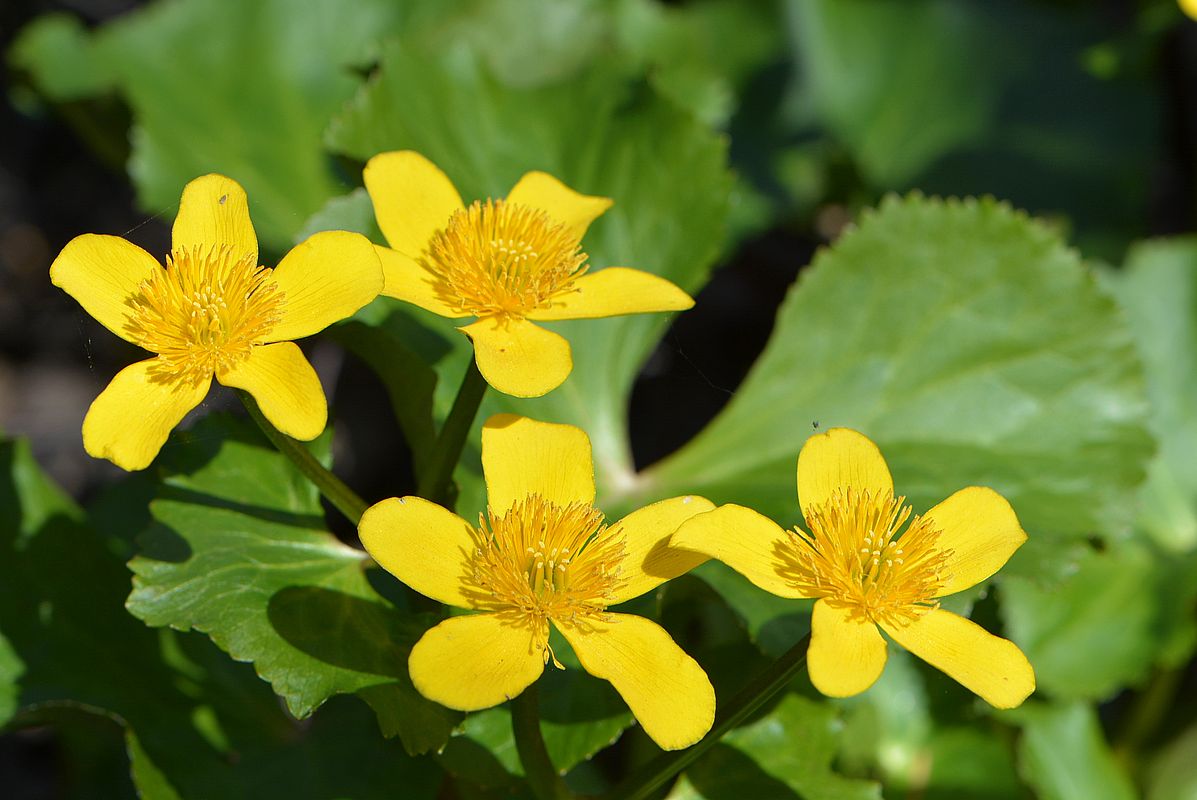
1082 112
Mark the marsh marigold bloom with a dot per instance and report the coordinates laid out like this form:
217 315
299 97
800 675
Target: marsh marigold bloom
542 555
508 262
870 565
211 311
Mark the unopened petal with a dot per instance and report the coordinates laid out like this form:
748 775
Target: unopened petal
406 279
428 547
614 291
981 530
990 666
412 199
475 661
324 279
285 387
574 210
648 559
518 357
131 419
837 460
214 212
847 652
667 691
750 543
522 456
102 273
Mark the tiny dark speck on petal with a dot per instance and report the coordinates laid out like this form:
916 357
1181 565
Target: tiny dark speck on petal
223 197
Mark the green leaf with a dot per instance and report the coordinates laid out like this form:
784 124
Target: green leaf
787 754
886 78
972 347
239 552
57 52
11 668
1158 289
241 89
599 133
1063 755
1173 773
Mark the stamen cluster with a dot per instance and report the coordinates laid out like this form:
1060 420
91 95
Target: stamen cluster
504 258
204 311
542 561
854 554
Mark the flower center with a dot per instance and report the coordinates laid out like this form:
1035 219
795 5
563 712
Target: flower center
542 561
855 556
504 258
203 312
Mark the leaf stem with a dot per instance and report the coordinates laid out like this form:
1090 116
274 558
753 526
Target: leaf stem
542 776
341 496
437 481
653 775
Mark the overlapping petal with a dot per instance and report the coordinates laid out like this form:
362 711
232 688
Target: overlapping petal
544 192
426 546
406 279
475 661
648 559
518 357
214 212
285 387
989 666
748 542
847 652
522 456
836 460
667 691
324 279
981 529
614 291
102 273
132 418
412 197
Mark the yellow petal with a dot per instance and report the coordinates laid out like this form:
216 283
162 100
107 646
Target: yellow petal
981 530
648 559
412 199
215 212
987 665
324 279
427 547
576 211
475 661
518 357
406 279
750 543
102 273
847 652
522 456
613 291
131 419
839 459
666 689
285 386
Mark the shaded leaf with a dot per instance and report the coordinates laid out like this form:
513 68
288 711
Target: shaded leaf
1063 754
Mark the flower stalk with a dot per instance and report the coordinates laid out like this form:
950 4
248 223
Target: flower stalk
333 488
542 776
645 782
436 484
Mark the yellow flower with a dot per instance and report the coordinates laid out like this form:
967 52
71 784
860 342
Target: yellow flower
211 311
866 574
1189 7
506 262
542 554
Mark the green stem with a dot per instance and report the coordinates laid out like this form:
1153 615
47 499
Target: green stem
341 496
652 776
1149 710
437 480
542 776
